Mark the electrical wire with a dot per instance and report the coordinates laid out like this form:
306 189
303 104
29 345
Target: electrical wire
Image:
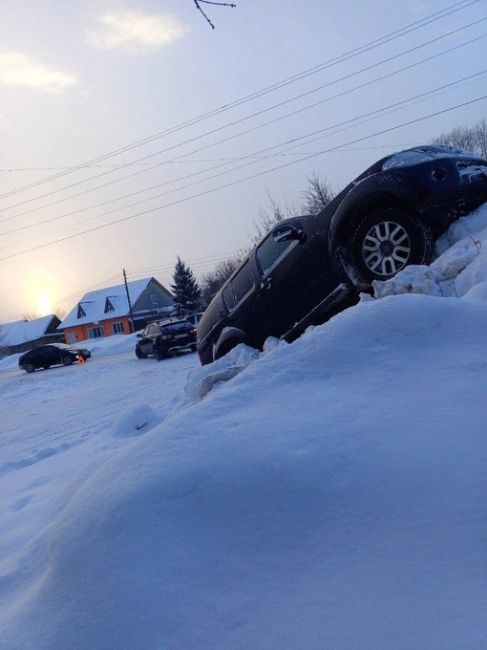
296 142
250 177
438 15
253 129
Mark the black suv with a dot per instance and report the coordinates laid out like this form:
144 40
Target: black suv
164 337
309 268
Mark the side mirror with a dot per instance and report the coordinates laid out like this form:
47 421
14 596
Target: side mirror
288 232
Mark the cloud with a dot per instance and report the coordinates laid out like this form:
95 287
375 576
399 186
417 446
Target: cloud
136 31
18 69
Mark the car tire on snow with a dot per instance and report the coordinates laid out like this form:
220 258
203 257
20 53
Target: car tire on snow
67 361
160 353
139 354
29 367
386 241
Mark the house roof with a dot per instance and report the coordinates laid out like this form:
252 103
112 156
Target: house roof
92 308
24 331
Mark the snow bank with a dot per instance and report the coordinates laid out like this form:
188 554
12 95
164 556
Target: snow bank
332 495
117 343
135 421
460 267
202 380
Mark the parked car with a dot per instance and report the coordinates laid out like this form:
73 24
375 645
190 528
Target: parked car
165 337
308 268
195 318
52 354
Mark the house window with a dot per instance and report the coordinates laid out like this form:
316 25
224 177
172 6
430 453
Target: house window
117 328
153 299
81 311
95 332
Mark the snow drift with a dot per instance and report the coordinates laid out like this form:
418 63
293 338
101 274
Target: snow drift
331 495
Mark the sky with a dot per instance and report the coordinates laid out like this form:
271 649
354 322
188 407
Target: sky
129 112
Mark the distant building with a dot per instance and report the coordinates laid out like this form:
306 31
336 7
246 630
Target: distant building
22 335
106 311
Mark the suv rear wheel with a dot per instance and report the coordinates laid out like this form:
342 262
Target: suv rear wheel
386 241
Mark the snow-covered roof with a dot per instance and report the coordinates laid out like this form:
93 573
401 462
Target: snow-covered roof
91 307
23 331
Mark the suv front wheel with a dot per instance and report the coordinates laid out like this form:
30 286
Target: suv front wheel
386 241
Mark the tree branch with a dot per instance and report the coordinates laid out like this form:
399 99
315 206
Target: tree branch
211 2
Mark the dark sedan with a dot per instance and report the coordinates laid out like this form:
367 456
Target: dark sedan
53 354
311 267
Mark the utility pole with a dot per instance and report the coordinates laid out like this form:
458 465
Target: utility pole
132 323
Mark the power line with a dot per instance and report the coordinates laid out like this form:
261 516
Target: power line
241 180
198 161
295 141
250 130
427 20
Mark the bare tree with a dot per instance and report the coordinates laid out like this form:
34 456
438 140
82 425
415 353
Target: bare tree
317 196
198 4
481 137
267 220
212 281
473 138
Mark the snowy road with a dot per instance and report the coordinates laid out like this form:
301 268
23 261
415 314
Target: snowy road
59 424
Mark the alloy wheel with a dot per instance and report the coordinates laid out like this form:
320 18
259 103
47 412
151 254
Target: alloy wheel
386 248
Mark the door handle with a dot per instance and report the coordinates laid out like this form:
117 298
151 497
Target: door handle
266 284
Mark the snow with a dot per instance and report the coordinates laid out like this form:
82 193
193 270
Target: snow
460 266
324 494
23 331
423 154
93 303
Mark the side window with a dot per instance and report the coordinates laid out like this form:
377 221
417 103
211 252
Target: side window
117 328
242 282
228 297
270 251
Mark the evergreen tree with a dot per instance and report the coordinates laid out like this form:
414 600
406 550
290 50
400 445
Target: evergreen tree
185 287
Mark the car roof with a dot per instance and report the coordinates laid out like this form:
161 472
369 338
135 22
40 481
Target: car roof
172 321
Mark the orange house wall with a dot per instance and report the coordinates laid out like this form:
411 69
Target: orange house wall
81 331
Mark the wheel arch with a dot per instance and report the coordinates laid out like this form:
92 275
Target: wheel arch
227 336
345 218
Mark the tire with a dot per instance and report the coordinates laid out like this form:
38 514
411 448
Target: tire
386 241
29 367
139 354
193 348
160 354
47 366
67 361
225 348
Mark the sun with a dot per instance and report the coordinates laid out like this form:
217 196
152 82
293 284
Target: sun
44 304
